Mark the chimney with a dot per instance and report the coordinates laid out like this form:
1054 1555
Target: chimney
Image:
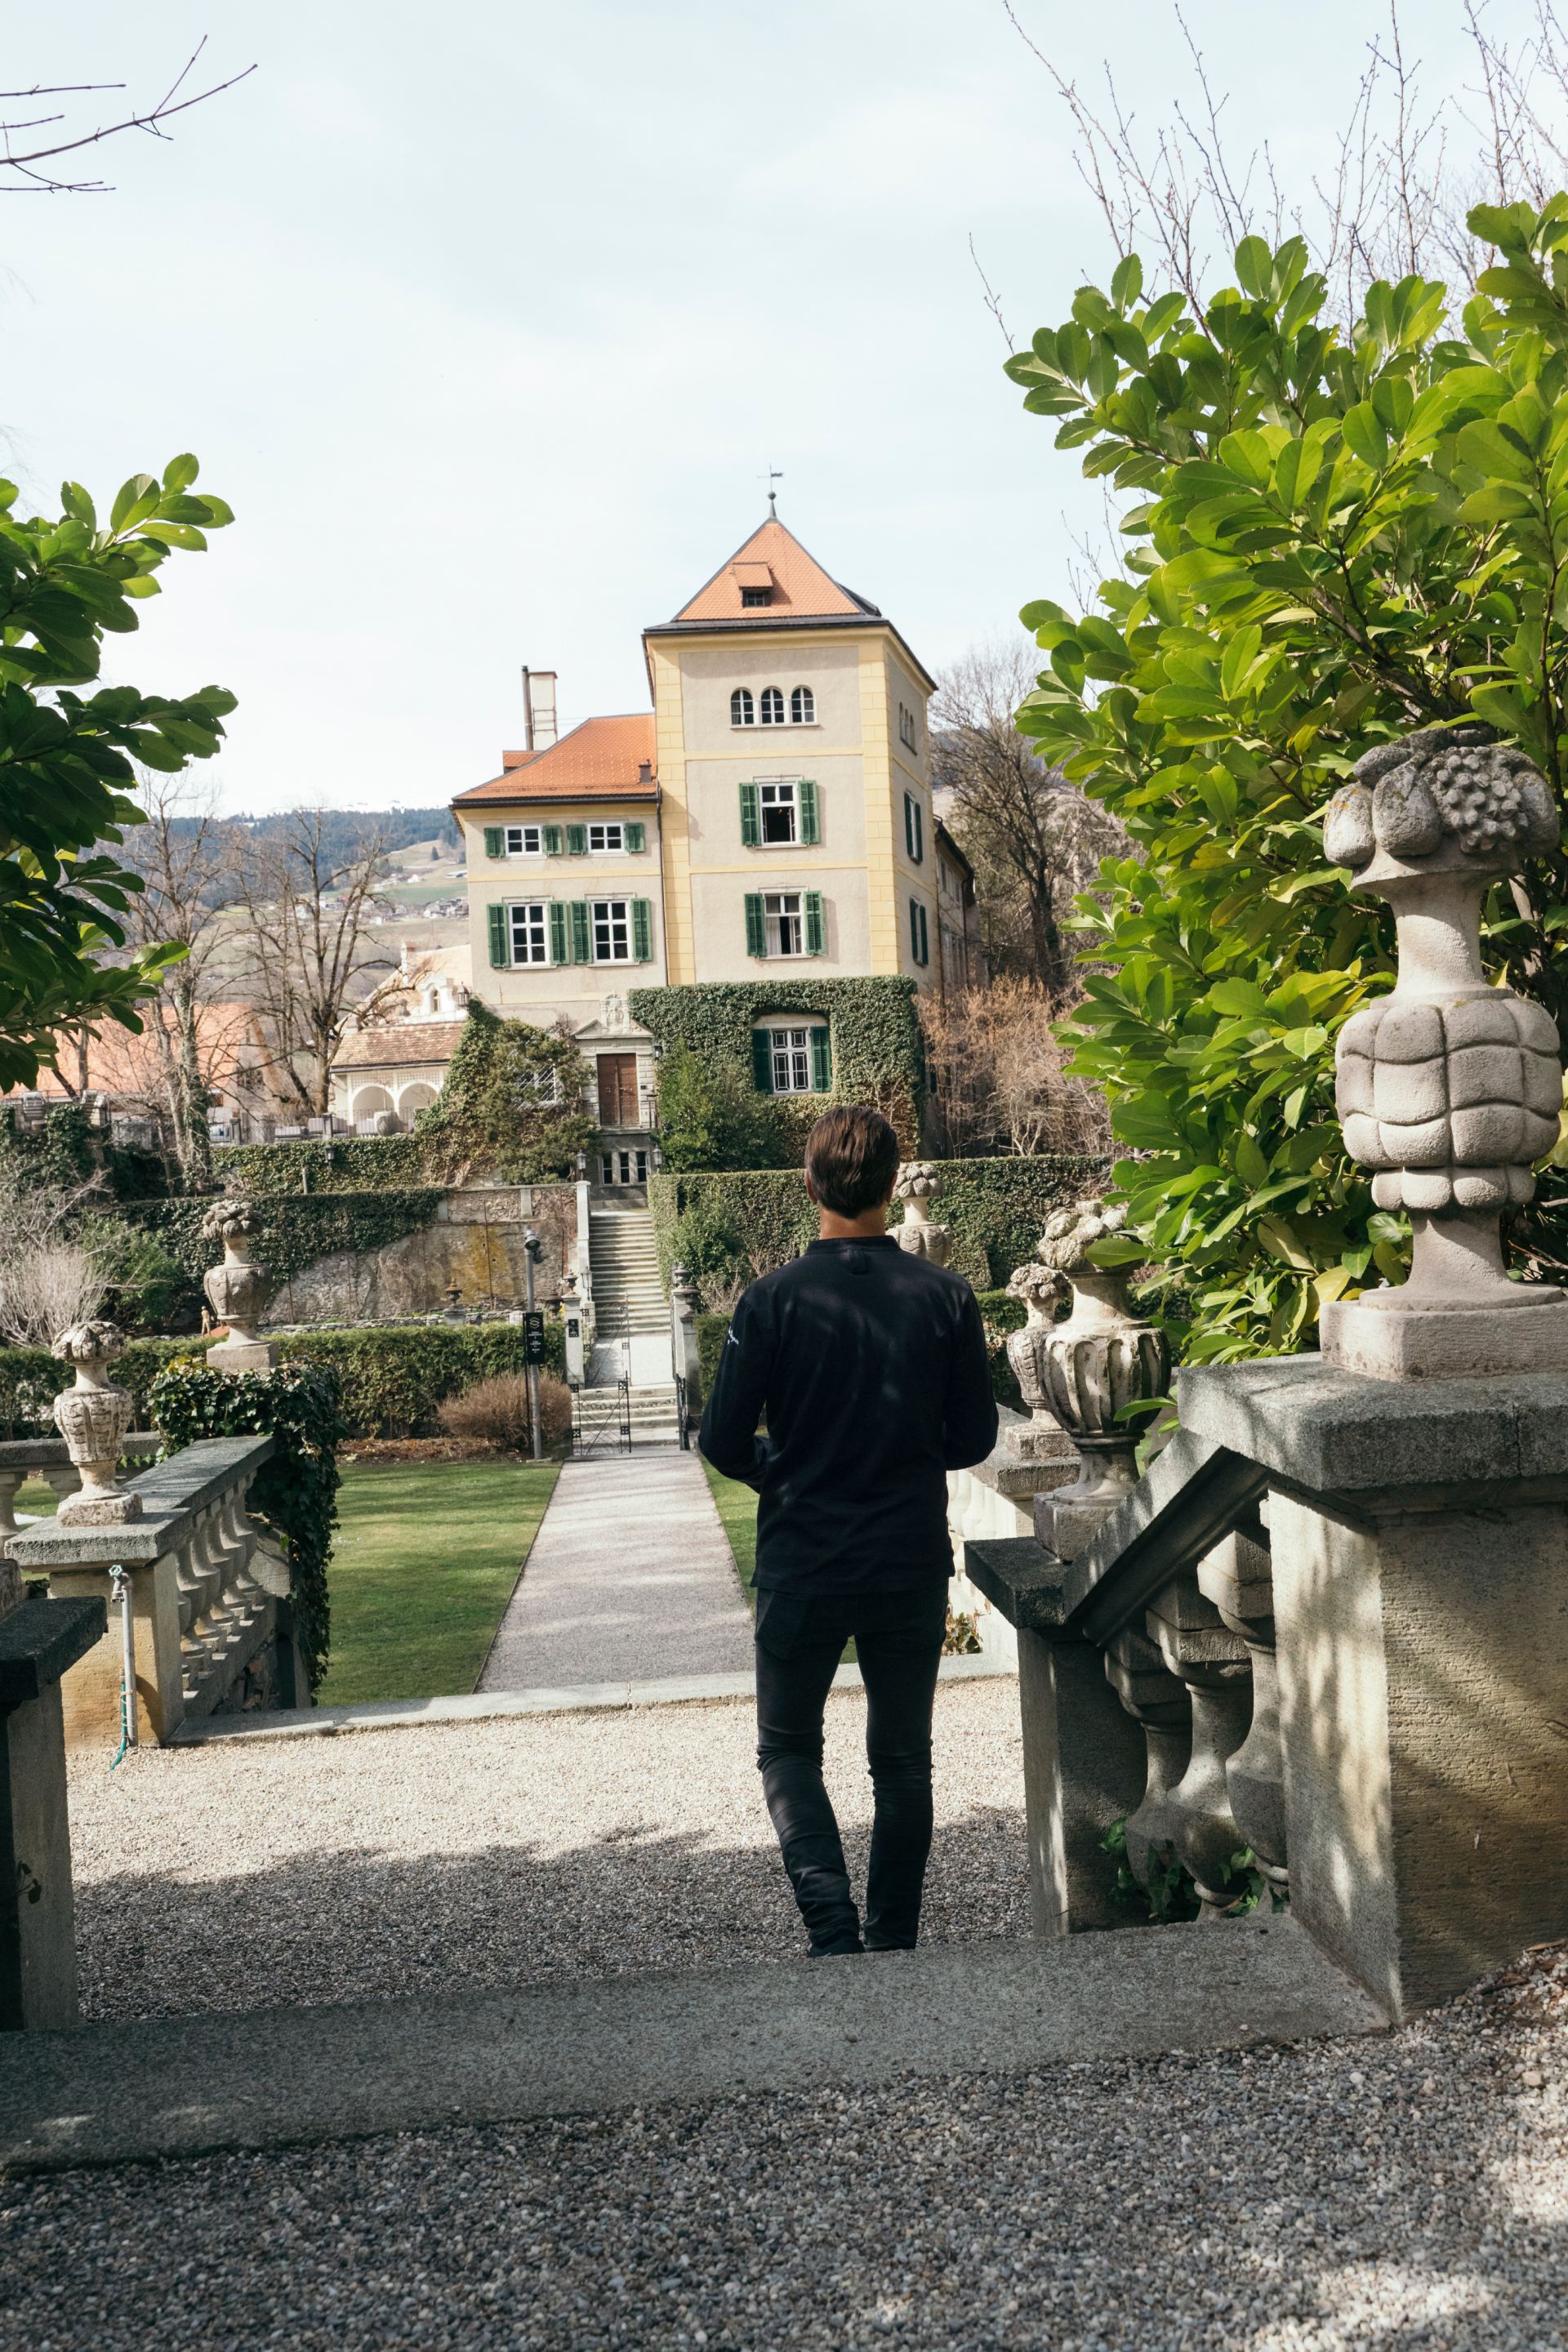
539 708
645 773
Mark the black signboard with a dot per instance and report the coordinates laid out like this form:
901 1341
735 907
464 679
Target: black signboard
533 1338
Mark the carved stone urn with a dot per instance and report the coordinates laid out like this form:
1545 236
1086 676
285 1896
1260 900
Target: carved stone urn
1090 1368
1042 1437
93 1417
1448 1088
238 1290
921 1181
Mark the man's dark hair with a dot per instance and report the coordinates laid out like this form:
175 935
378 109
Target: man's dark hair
852 1160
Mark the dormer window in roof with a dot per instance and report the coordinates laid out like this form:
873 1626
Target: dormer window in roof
755 583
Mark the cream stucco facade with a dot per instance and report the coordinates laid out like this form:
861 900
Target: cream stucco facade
771 813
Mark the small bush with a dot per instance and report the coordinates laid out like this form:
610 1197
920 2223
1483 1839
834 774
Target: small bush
496 1415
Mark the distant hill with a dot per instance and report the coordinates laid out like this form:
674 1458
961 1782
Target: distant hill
343 829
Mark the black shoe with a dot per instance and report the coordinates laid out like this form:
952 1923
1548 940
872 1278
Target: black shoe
842 1946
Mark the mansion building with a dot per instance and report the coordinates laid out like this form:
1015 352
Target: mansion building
771 813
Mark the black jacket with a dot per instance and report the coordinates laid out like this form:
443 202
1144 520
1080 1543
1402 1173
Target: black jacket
870 1367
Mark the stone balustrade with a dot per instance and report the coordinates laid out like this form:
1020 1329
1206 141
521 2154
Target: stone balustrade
48 1458
995 1500
209 1598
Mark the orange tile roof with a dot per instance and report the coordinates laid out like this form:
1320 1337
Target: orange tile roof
398 1044
802 591
601 760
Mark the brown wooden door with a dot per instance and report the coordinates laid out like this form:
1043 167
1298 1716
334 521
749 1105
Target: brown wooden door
617 1089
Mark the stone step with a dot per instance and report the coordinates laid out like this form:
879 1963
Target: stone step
282 2077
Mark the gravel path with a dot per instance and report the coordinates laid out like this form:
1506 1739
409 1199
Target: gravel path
1412 2191
630 1576
495 1853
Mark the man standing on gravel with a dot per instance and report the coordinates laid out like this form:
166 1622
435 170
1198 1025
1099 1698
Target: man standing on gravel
869 1366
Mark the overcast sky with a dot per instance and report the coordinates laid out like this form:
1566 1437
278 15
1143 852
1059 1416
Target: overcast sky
488 320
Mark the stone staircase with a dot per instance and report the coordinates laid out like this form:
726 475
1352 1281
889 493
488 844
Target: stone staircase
628 1296
596 1420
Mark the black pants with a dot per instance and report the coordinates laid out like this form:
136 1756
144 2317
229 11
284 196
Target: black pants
897 1639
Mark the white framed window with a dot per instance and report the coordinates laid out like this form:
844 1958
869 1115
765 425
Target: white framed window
743 710
611 922
529 932
772 705
606 837
525 840
779 811
802 707
784 917
628 1167
791 1061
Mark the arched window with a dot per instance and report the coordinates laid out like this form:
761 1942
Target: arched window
803 706
741 713
772 707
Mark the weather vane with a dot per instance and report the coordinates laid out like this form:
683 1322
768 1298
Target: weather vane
774 473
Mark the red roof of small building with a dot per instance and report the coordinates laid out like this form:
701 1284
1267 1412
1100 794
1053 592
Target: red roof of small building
600 760
398 1044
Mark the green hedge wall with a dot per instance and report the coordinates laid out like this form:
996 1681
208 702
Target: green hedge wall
391 1377
996 1208
878 1053
296 1229
350 1163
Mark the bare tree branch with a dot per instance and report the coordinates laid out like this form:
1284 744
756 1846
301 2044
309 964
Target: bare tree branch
30 181
992 304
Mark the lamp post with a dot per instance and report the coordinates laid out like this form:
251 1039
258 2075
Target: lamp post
533 1331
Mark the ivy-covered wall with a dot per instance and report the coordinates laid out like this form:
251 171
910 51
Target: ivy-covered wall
878 1056
749 1220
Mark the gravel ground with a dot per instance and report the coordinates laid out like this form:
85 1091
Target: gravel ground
1389 2194
509 1852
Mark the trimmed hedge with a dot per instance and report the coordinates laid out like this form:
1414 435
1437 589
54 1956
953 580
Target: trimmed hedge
350 1163
878 1055
996 1208
391 1377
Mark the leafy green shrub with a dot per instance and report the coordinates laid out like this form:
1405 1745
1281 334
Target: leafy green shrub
711 1116
712 1330
1341 536
31 1377
296 1493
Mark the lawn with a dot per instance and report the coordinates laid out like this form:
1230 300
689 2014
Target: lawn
737 1508
425 1560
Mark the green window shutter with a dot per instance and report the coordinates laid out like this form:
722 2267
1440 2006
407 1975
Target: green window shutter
925 941
821 1062
815 931
756 925
915 929
918 814
494 845
806 799
750 822
762 1060
582 938
909 826
558 947
500 948
636 839
642 931
553 843
577 841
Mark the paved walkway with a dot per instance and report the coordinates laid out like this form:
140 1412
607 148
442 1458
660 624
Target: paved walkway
630 1576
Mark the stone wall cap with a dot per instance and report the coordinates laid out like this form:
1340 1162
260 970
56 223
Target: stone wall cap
41 1640
54 1453
172 1493
1323 1429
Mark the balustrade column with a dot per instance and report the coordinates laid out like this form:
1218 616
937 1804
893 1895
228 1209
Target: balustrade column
1238 1576
1158 1703
1200 1648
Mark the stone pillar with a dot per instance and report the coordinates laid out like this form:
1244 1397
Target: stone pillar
684 1357
1084 1767
1422 1629
39 1640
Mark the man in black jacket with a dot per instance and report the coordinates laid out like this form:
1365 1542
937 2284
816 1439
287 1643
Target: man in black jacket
870 1367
